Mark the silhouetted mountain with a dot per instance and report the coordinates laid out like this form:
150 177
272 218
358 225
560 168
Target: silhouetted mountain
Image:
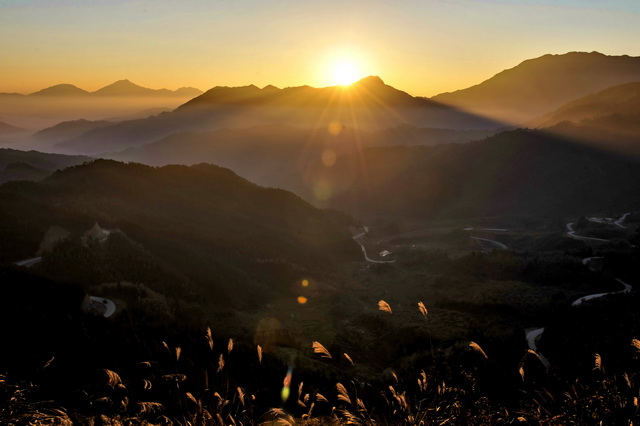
187 92
127 88
366 92
270 155
119 88
514 173
61 90
366 105
537 86
69 129
7 129
203 221
65 102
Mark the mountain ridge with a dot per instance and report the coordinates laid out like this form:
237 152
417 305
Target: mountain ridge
514 173
367 105
539 85
118 88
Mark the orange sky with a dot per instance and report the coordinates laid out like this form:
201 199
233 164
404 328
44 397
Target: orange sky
423 47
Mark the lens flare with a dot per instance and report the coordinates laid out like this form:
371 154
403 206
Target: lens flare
302 300
335 128
329 157
286 389
322 190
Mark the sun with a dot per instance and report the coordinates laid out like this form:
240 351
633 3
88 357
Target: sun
344 73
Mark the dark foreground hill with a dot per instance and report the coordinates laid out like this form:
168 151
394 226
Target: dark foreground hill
205 222
192 247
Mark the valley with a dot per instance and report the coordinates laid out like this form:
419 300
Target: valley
178 257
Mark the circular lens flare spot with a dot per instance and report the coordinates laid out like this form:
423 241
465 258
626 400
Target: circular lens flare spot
322 190
335 128
302 300
329 157
305 283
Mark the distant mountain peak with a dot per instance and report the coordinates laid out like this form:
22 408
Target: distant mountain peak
125 81
121 87
372 80
61 90
122 83
128 88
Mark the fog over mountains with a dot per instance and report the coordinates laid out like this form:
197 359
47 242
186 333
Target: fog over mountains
177 253
304 138
63 102
118 88
366 105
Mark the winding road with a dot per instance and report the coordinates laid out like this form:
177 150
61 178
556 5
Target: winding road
487 229
28 263
533 334
364 251
619 221
572 233
500 245
102 304
609 221
627 289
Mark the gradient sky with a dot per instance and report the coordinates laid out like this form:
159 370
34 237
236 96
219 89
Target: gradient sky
423 47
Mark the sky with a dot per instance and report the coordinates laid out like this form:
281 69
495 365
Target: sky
423 47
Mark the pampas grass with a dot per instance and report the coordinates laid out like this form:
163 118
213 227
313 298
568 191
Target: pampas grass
343 395
319 349
384 306
423 310
476 347
346 355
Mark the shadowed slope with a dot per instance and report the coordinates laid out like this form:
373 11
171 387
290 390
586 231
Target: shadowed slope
513 173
